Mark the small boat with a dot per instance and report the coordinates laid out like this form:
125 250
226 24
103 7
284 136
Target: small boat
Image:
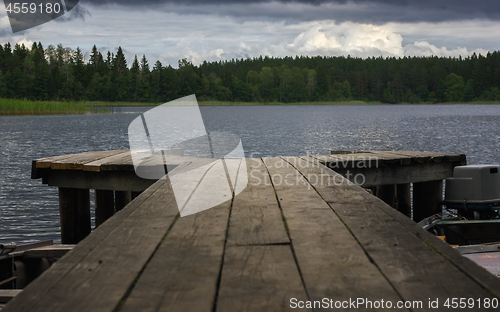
472 226
486 255
21 264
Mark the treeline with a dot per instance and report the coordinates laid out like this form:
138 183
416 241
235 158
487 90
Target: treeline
60 73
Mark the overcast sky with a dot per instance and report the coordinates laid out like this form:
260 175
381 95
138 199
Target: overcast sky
215 30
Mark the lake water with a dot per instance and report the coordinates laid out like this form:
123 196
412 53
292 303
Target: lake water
29 210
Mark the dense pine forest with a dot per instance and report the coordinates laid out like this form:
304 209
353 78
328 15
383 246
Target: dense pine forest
60 73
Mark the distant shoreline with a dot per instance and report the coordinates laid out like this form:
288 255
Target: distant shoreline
221 103
25 107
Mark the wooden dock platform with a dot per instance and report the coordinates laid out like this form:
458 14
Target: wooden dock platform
298 233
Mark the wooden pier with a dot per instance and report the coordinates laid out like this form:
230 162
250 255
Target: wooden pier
298 232
111 174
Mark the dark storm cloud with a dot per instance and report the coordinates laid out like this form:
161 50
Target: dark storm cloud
372 11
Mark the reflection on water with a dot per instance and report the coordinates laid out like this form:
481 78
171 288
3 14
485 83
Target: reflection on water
29 211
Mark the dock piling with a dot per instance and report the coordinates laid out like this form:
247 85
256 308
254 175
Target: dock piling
74 210
403 199
122 198
387 193
104 206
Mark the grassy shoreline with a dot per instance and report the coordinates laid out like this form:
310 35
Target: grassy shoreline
224 103
24 107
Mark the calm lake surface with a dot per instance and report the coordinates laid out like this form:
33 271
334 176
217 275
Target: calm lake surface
29 211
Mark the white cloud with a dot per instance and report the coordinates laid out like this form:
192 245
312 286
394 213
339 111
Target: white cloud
169 37
423 48
361 40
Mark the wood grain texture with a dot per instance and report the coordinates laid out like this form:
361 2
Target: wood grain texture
77 161
50 291
407 262
42 163
121 161
466 266
426 157
256 217
103 180
331 262
385 175
362 160
184 272
74 213
344 243
7 294
259 278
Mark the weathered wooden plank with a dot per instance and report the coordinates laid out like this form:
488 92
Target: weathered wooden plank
103 180
256 217
42 163
53 251
117 162
347 152
416 154
183 273
77 161
74 212
389 159
417 172
466 266
487 260
212 187
126 162
425 157
205 185
386 158
104 206
347 161
49 291
362 160
7 294
99 281
318 235
375 159
122 161
259 278
408 262
383 168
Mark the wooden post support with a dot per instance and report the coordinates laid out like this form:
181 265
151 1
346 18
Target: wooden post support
122 198
403 199
104 206
74 210
427 198
387 193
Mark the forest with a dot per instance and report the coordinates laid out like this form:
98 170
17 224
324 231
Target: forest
58 73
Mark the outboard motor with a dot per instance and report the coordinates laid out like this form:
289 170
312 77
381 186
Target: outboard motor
474 191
